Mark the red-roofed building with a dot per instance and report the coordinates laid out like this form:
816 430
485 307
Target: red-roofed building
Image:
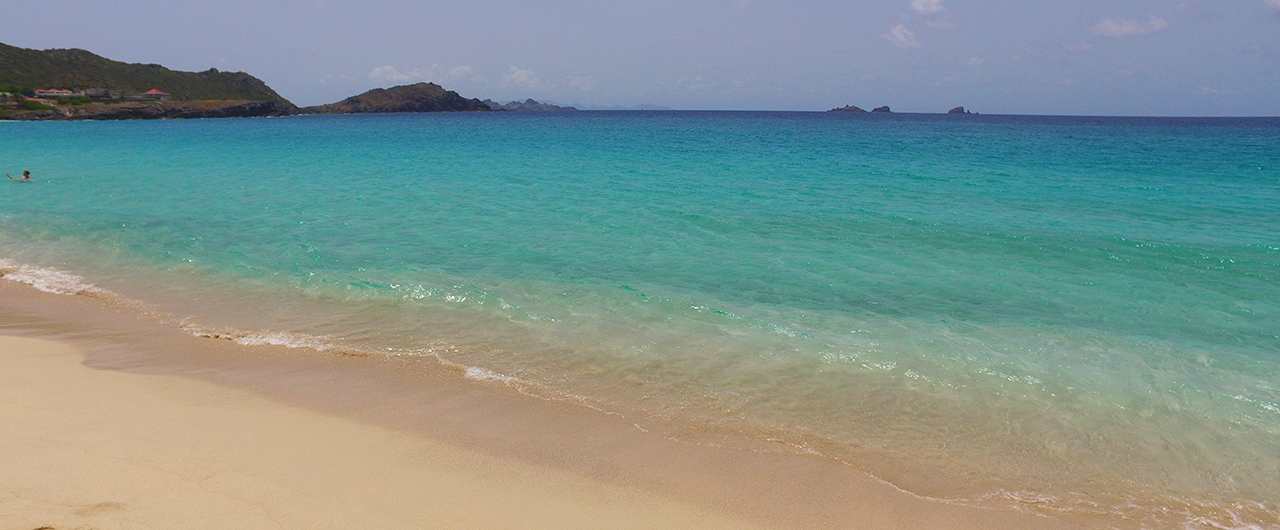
54 93
156 94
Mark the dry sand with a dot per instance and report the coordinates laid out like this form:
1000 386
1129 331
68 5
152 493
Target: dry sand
123 422
101 449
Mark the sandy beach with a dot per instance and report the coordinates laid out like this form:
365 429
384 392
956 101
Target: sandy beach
110 418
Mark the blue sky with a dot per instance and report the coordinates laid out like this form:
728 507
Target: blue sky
1122 57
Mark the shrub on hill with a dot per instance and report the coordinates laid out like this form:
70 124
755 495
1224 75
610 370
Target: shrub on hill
35 105
75 69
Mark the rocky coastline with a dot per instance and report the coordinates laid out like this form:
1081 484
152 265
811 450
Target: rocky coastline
155 111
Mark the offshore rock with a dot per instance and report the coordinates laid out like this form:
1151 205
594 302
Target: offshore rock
847 108
957 110
881 109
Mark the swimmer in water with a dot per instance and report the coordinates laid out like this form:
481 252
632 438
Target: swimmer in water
26 175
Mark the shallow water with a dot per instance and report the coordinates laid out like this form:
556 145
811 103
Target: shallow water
1067 315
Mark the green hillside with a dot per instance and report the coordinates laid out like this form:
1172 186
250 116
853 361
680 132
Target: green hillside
420 97
78 69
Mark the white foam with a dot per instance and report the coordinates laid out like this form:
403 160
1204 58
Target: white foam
480 374
47 280
288 340
265 338
528 388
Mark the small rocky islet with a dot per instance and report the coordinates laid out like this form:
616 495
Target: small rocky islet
886 110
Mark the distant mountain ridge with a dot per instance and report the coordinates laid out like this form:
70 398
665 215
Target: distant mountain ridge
419 97
527 105
77 69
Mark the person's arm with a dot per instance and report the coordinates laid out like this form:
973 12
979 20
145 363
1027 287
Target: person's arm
10 176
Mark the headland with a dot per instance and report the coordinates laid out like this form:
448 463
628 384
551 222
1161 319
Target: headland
74 84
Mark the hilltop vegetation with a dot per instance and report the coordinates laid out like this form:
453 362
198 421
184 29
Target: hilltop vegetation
76 69
420 97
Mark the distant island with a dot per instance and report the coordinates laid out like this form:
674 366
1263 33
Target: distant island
76 84
420 97
885 110
856 110
528 105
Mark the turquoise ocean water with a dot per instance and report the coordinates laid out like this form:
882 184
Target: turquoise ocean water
1063 315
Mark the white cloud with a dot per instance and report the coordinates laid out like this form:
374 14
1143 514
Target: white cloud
902 37
584 83
1118 27
524 78
390 74
976 61
1273 4
929 7
933 13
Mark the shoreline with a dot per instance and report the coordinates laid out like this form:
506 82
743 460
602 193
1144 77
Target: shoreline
166 110
521 458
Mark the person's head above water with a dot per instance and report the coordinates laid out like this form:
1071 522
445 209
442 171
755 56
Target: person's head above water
26 175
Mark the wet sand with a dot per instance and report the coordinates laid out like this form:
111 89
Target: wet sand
110 417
